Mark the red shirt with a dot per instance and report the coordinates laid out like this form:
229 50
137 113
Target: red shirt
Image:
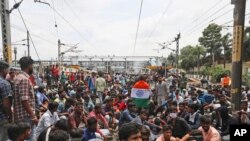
75 120
32 79
82 76
72 77
56 71
99 117
120 105
53 71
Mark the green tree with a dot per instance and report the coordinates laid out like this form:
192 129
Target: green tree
199 52
188 63
246 49
171 58
211 40
185 51
226 42
191 56
216 72
187 57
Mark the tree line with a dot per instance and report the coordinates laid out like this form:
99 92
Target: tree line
213 48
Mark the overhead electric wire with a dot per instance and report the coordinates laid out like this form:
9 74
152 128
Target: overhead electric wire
208 10
156 25
76 30
211 15
222 15
74 13
247 14
204 22
35 25
35 35
225 23
210 21
138 25
232 20
18 41
25 25
55 18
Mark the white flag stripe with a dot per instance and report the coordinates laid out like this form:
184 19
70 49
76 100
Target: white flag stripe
140 93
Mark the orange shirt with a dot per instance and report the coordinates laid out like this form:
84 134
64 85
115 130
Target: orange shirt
226 81
211 135
161 138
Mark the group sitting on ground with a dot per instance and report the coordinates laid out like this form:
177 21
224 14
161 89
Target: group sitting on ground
100 106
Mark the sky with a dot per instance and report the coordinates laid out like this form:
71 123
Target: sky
108 27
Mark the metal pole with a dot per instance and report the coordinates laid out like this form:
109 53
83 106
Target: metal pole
15 52
125 65
238 35
107 66
177 51
28 42
103 64
110 65
59 52
165 67
6 33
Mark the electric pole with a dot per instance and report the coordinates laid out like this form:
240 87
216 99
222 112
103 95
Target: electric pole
177 51
238 35
59 52
15 52
28 42
6 38
125 65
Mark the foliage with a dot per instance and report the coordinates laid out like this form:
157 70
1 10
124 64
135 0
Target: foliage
171 59
199 51
187 63
187 58
185 51
226 42
211 40
216 73
246 56
246 79
191 55
210 50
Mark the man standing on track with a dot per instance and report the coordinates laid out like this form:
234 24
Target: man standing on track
161 90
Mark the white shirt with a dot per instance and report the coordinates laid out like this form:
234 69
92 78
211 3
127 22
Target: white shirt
46 121
161 88
100 84
248 110
181 99
192 117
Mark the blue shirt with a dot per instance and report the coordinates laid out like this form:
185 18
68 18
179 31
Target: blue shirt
40 98
5 91
206 98
126 117
91 84
88 106
39 81
197 101
88 135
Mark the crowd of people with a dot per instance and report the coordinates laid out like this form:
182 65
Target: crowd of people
123 107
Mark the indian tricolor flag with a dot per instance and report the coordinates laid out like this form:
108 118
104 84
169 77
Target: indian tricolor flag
141 92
